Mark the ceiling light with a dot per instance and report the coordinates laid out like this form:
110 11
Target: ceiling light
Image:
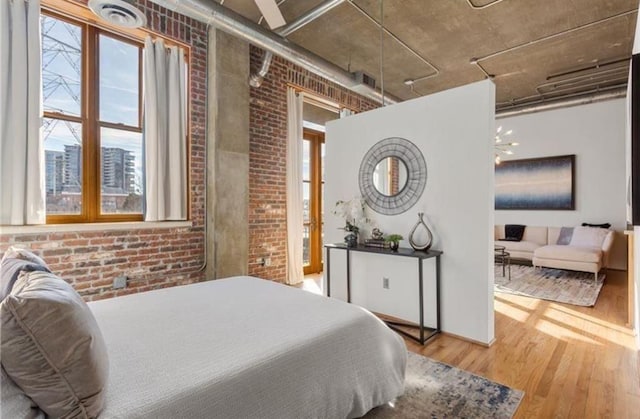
409 82
500 147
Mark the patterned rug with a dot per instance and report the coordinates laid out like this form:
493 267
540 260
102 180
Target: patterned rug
437 390
570 287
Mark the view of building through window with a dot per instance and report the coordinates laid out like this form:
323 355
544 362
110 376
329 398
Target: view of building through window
114 128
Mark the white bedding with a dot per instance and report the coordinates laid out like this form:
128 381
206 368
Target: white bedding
245 348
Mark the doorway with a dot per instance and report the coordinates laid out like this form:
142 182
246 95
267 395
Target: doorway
313 150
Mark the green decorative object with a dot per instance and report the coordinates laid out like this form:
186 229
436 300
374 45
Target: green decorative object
394 241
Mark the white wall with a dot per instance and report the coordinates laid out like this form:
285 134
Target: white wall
595 133
454 130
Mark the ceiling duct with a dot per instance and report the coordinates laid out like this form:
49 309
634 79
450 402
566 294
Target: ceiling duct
582 99
119 12
243 28
256 78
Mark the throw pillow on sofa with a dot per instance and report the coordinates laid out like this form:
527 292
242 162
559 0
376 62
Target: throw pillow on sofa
588 236
513 232
52 347
605 225
564 238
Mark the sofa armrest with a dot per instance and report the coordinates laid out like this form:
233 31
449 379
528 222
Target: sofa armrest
607 244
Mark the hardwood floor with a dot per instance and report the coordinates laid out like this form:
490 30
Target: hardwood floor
573 362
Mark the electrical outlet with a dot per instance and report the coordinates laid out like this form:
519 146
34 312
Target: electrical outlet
264 261
385 283
120 282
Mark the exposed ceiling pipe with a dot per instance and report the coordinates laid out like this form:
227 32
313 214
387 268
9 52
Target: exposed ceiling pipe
476 61
257 78
583 99
309 17
239 26
484 6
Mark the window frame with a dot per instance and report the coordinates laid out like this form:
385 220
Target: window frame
80 15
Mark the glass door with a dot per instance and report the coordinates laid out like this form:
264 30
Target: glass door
312 192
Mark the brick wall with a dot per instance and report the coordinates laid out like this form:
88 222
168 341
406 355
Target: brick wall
267 158
151 258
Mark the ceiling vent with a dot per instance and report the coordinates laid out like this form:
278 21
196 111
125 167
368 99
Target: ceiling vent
119 12
363 78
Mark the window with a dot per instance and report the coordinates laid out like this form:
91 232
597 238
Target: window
92 101
313 152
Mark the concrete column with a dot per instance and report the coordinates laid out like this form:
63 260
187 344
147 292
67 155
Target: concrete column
228 156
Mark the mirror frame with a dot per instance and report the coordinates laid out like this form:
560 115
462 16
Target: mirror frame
416 165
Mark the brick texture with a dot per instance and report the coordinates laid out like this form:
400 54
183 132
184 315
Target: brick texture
267 158
151 258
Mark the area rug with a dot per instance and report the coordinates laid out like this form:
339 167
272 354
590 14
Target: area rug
570 287
437 390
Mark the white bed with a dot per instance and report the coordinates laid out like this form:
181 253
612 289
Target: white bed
245 348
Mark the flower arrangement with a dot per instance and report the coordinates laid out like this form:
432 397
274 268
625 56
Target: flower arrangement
355 217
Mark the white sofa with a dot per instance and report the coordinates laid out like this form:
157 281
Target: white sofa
588 250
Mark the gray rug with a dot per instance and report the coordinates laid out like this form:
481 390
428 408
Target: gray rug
570 287
437 390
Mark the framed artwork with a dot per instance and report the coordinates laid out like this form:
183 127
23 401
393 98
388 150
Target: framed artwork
545 183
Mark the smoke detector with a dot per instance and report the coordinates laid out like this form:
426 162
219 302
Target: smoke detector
119 12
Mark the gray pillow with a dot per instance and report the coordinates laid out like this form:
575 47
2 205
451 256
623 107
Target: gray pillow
564 238
16 404
52 347
15 261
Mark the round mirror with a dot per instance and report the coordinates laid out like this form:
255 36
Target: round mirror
390 176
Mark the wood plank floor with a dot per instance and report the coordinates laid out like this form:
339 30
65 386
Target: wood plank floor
572 362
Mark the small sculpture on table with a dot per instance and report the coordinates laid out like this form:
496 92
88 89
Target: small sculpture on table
414 241
376 240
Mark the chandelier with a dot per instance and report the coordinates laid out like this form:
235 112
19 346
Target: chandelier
502 144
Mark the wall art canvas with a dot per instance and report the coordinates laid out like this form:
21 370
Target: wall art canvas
536 184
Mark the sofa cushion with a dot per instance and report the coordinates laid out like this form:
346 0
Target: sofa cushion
588 236
521 246
52 347
572 253
535 235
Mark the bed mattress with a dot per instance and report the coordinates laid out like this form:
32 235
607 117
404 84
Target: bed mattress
244 347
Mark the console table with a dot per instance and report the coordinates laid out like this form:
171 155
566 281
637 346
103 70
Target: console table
425 333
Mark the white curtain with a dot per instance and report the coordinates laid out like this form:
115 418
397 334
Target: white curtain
295 273
165 131
22 191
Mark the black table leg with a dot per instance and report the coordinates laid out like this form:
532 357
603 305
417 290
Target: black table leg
328 273
421 296
348 277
